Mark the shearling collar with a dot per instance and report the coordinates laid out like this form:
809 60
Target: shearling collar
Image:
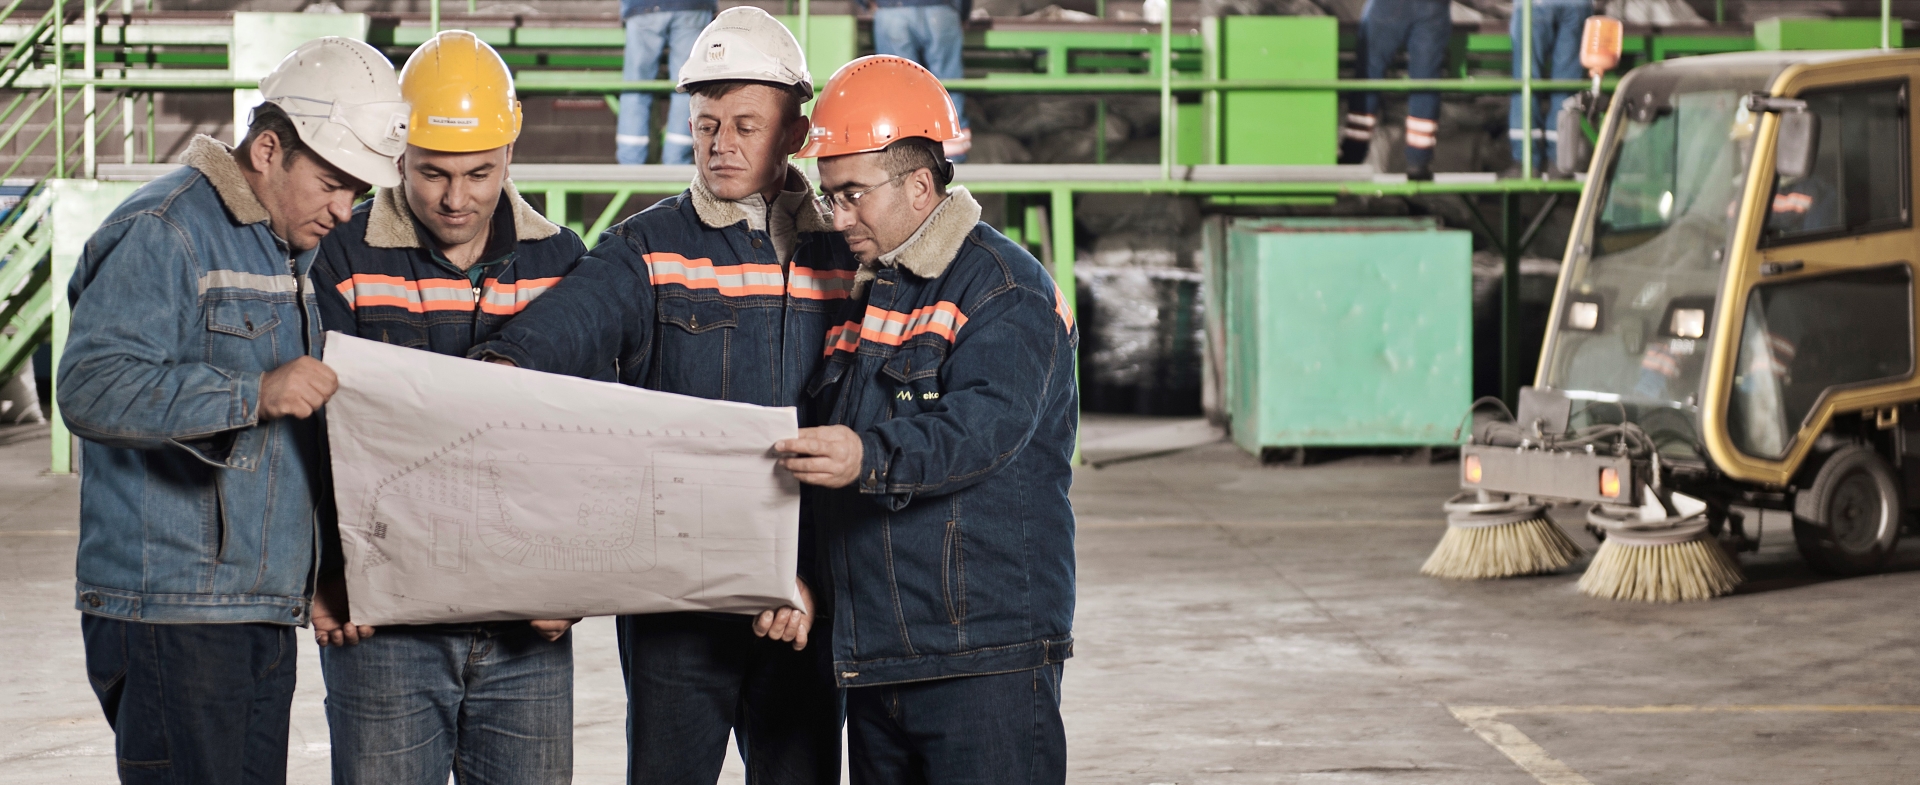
215 160
390 225
932 247
718 213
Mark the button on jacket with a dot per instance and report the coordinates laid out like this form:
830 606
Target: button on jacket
952 553
379 281
191 508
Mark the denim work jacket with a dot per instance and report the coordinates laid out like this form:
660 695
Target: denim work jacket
378 281
952 553
690 297
191 508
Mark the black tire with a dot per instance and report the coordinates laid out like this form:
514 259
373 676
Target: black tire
1848 521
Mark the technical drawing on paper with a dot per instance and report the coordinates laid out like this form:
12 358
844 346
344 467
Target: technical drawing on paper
553 516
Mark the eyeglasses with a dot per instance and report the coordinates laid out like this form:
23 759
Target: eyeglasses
849 200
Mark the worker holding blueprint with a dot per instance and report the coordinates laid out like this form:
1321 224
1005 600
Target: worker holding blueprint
723 292
943 468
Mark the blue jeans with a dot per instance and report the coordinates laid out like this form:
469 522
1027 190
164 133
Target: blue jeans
194 704
692 677
1556 55
648 36
1421 28
1002 729
930 35
492 703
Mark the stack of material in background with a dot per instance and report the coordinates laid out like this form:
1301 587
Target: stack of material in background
1140 303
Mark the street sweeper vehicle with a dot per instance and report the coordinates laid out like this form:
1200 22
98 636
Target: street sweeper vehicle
1733 327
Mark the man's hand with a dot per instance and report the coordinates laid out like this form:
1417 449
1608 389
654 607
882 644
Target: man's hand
552 629
331 626
828 457
297 389
503 361
789 623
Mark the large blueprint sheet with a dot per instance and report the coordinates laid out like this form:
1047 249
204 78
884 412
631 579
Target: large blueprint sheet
470 491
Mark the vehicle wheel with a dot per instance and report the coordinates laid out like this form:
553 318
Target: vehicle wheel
1849 520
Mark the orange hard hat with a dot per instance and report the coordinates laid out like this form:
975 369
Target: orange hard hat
875 101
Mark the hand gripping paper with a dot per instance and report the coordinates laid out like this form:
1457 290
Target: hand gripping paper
471 491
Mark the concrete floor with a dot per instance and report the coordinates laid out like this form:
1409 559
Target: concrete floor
1241 624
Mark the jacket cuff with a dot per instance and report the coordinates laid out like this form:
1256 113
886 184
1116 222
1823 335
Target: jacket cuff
501 350
246 399
875 463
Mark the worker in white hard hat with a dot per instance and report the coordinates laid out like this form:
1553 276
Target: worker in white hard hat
192 374
721 292
438 264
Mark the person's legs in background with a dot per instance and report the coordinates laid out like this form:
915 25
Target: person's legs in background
201 703
1386 25
1569 20
1356 132
683 28
945 36
1426 59
646 38
931 35
393 705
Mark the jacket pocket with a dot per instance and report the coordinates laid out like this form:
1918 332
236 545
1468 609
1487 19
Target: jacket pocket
245 317
911 377
696 316
240 333
953 573
221 525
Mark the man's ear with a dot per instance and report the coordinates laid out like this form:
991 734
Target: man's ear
923 193
265 151
797 133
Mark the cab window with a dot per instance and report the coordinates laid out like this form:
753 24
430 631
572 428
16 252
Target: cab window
1807 336
1859 180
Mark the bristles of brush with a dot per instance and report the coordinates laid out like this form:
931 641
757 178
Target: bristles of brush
1526 547
1675 572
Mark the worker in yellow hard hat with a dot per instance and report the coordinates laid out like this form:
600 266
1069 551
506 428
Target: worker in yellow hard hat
439 264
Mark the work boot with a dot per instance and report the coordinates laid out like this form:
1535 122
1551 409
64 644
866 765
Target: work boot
1354 151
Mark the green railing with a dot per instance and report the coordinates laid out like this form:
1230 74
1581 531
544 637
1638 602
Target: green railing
27 311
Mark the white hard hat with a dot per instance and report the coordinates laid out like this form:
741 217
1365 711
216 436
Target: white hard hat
745 42
345 103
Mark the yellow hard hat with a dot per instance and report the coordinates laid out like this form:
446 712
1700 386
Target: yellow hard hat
462 95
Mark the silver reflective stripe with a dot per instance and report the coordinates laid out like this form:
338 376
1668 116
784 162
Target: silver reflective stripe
737 280
233 279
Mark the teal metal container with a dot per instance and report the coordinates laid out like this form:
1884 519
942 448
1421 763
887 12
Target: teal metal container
1346 331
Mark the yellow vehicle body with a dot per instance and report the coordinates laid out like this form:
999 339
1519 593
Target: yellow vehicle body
1755 263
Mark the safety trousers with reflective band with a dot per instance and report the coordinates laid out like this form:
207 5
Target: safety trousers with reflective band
1422 133
747 279
1358 127
440 294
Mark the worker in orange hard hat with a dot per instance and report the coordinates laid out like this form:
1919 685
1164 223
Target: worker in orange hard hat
725 292
950 409
440 263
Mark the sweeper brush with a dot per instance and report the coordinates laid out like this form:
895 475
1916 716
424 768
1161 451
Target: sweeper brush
1669 565
1498 539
